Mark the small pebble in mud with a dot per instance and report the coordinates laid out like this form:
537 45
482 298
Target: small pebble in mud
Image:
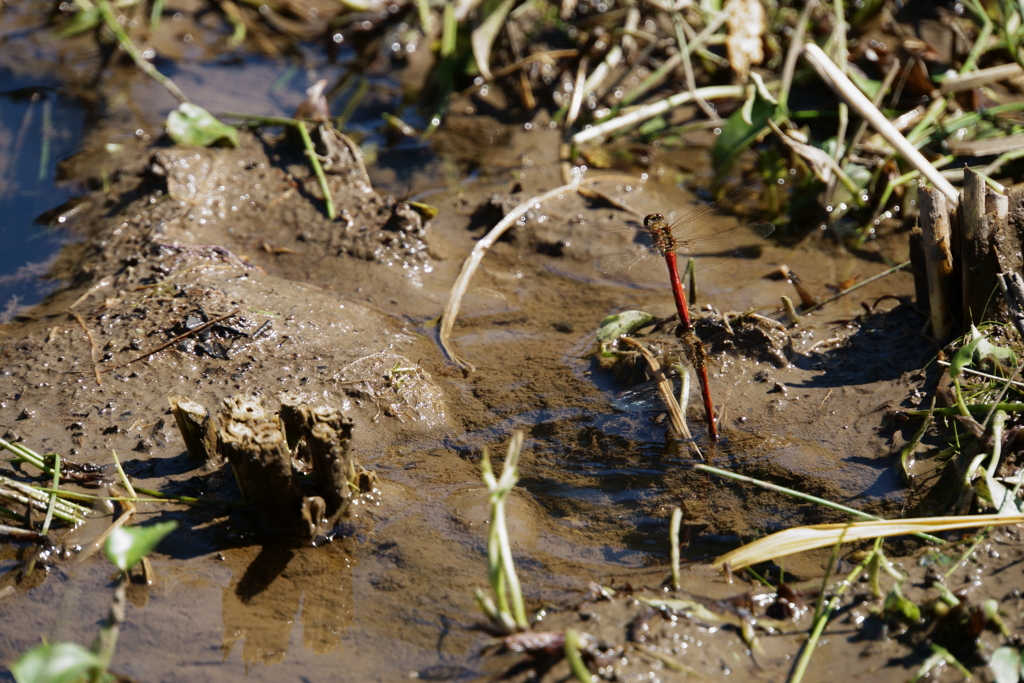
762 375
565 327
25 414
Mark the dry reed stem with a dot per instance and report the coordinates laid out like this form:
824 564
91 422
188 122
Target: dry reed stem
675 413
472 262
938 258
98 543
800 539
845 88
649 111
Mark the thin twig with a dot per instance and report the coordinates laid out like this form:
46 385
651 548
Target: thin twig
802 496
691 83
92 344
526 61
983 374
857 286
472 262
849 92
89 550
197 328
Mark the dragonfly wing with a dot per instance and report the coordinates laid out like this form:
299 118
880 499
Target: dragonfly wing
633 265
710 249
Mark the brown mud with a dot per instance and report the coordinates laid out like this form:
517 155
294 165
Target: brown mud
351 307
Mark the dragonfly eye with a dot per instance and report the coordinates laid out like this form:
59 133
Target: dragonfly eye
653 218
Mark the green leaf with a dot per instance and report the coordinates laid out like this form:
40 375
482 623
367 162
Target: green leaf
965 354
986 350
979 349
82 21
898 607
996 495
127 545
1005 664
740 131
192 125
614 326
56 663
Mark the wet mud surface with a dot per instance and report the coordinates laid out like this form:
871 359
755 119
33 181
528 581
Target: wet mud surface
347 310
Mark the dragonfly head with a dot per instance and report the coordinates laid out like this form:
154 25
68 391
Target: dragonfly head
652 219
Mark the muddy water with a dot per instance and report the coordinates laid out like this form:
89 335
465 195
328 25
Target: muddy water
350 302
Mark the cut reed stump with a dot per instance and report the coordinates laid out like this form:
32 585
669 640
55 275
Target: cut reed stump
196 429
323 435
966 253
255 442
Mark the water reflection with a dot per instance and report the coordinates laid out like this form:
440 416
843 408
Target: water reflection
38 128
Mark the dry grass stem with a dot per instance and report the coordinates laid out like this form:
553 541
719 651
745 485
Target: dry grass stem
805 538
976 79
472 262
649 111
845 88
675 413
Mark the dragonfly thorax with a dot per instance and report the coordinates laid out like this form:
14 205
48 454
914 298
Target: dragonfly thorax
661 233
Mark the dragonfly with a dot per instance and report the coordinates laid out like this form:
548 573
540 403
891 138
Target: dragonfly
666 242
